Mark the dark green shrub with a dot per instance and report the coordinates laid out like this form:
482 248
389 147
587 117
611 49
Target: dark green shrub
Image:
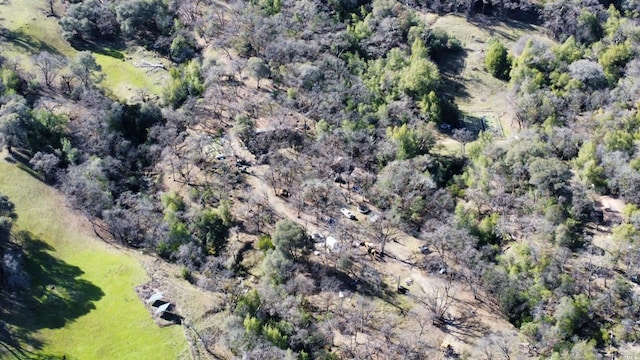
497 60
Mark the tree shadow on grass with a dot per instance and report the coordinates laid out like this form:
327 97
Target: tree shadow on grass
493 25
56 295
28 43
111 48
452 69
21 157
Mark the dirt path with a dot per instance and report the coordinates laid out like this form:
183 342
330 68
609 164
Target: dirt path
256 179
608 203
399 264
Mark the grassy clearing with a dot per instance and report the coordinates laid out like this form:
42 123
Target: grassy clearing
477 92
124 79
34 32
82 302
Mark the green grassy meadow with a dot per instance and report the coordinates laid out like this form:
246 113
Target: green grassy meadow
81 303
477 93
33 32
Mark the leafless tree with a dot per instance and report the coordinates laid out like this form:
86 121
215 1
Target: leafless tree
418 318
439 300
66 80
49 66
384 231
463 136
504 344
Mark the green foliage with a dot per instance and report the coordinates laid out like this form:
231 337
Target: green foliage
411 142
290 239
420 78
252 325
7 216
304 355
430 106
173 203
620 140
322 127
183 47
396 75
440 43
549 175
590 24
224 211
569 51
33 130
485 228
488 229
528 68
275 336
419 50
584 350
625 234
179 232
631 212
572 314
88 21
85 68
277 267
212 231
497 60
565 236
264 243
45 129
614 20
258 69
590 171
185 81
244 127
248 304
359 30
10 80
143 19
270 7
613 59
185 273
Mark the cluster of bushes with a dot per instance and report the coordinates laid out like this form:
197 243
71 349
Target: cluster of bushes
100 160
152 23
576 106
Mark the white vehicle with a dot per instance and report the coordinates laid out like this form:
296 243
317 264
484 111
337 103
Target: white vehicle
346 212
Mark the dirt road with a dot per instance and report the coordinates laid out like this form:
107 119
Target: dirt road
399 264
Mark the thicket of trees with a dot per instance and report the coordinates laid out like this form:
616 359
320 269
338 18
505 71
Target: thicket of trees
357 97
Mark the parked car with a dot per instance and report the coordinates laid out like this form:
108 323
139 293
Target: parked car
346 212
242 162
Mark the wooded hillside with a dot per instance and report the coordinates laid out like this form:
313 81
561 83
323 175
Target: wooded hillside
319 166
